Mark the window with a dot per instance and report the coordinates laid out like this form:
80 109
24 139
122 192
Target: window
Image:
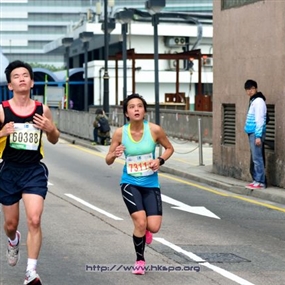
207 89
229 124
270 128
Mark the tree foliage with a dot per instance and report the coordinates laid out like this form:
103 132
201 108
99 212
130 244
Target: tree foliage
46 66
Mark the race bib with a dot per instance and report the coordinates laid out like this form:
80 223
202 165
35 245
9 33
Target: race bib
138 165
25 137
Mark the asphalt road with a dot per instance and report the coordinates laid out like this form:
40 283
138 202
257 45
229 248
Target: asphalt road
87 231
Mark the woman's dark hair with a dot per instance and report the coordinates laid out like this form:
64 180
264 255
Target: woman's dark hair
99 112
17 64
130 97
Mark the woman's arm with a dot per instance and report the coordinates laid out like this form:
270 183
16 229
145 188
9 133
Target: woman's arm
116 149
161 138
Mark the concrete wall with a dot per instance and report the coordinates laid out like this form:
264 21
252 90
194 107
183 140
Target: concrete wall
248 43
176 123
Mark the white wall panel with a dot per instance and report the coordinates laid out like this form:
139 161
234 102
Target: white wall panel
13 1
13 27
13 42
8 14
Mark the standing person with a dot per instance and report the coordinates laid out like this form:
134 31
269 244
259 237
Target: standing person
22 174
255 127
101 124
139 182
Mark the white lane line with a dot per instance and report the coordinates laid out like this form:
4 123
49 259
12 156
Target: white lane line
93 207
203 262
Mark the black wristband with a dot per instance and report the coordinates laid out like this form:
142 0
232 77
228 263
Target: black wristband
161 160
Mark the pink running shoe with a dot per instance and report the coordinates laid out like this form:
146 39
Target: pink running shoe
148 237
139 267
250 185
257 186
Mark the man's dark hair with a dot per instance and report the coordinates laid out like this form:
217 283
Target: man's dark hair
249 84
130 97
16 64
99 112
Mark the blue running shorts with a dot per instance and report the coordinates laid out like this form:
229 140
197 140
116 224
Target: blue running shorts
16 179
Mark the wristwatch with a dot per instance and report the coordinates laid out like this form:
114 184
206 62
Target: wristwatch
161 160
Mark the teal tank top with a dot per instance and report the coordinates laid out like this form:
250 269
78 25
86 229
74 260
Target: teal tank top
137 153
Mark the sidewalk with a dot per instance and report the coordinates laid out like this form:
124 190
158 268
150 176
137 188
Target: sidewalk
185 162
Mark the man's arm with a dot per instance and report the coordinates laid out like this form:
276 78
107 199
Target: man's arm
1 121
5 130
46 124
95 123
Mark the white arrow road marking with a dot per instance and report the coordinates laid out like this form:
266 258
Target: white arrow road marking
183 207
93 207
50 184
202 262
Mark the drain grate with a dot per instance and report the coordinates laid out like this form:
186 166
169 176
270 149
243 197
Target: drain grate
212 257
222 257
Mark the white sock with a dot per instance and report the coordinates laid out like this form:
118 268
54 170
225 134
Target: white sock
31 264
15 241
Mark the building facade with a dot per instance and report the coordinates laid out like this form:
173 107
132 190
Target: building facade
28 25
35 34
248 44
178 31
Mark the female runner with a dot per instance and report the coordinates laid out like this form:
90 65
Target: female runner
139 182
